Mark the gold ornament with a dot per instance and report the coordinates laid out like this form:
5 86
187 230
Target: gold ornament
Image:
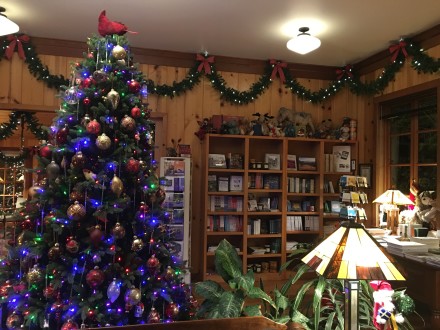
121 62
103 142
113 97
119 52
137 244
35 275
76 211
133 296
20 239
128 123
118 231
116 186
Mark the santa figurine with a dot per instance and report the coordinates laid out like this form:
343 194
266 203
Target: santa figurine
384 311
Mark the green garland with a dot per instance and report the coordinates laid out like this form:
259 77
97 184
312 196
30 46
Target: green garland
7 130
420 62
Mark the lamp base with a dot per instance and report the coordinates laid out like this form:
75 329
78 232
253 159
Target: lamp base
352 289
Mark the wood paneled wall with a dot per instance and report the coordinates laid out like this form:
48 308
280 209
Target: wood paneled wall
19 89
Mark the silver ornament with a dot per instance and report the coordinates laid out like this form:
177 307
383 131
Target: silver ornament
113 97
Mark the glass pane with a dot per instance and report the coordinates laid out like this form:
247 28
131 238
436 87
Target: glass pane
428 114
400 178
400 124
427 177
427 148
400 149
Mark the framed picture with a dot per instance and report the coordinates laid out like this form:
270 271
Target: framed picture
366 170
291 162
273 160
217 160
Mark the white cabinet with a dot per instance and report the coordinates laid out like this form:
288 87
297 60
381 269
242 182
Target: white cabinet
175 173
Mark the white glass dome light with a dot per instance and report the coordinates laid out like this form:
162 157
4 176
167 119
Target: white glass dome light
303 43
6 25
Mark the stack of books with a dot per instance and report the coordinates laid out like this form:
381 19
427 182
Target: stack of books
402 247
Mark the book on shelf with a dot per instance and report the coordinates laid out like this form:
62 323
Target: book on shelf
301 185
184 150
335 207
223 183
212 182
342 158
236 183
271 181
225 223
291 162
226 203
307 164
235 161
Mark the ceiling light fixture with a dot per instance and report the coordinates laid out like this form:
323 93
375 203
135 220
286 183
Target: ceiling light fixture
6 25
303 43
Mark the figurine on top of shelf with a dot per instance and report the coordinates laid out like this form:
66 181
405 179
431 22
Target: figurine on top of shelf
344 130
301 120
230 127
259 125
205 126
324 129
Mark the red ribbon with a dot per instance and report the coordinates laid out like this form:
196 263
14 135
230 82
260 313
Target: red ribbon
278 68
205 63
396 48
16 41
344 72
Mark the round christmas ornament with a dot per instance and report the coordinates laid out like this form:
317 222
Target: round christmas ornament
71 95
5 289
86 102
76 211
118 52
49 218
87 82
153 265
96 235
133 296
172 311
118 231
61 136
69 325
169 273
95 277
27 224
72 246
54 252
78 160
113 291
113 97
46 151
100 75
116 185
136 112
34 190
14 321
52 170
133 165
134 86
49 292
35 275
121 62
139 309
153 316
103 142
128 124
137 245
93 127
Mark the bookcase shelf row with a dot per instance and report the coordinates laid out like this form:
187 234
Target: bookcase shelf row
265 191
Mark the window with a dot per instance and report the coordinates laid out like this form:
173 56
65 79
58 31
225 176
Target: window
411 133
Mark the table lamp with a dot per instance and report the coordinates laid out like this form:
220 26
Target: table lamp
352 254
391 199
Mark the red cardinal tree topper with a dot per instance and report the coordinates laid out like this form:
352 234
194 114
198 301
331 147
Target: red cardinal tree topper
107 27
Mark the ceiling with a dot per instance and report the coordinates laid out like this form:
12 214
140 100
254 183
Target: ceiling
349 30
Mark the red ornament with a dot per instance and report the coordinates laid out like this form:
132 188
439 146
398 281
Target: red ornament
86 101
134 86
90 55
54 252
14 321
87 82
153 264
94 127
69 325
95 277
72 246
172 311
128 123
108 27
27 224
49 292
133 165
96 235
78 160
5 288
136 112
61 136
153 316
75 195
46 151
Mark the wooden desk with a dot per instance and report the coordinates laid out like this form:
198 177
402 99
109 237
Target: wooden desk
423 282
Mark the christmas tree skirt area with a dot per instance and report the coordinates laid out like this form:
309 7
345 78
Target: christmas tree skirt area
240 323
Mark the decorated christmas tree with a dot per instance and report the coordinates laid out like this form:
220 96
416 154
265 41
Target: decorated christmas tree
92 246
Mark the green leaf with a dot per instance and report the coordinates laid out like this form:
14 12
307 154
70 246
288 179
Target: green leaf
230 304
301 293
281 301
329 322
257 293
300 272
298 317
245 282
253 310
227 262
209 290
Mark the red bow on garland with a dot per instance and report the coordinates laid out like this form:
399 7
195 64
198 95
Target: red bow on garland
396 48
340 73
278 68
205 63
16 41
